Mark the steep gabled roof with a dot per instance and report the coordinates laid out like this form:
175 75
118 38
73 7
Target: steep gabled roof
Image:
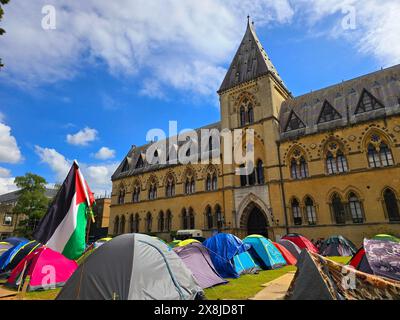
250 62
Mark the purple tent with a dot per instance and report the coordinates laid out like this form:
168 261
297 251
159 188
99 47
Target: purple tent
383 258
195 256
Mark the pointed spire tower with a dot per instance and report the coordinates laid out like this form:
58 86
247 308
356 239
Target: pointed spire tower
250 62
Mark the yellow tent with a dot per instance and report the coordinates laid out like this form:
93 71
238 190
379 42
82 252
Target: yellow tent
187 242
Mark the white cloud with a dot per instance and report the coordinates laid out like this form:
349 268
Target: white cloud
152 36
98 176
4 173
9 150
6 181
83 137
56 161
105 153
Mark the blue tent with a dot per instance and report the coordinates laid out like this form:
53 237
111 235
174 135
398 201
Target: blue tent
7 256
244 263
225 251
14 241
265 253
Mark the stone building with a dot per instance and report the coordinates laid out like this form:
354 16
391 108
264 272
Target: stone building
10 220
326 163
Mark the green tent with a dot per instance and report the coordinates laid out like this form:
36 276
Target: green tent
174 243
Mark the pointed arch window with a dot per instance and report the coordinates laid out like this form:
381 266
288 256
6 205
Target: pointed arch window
184 219
219 217
209 218
328 113
296 213
191 217
299 168
122 225
391 205
136 223
250 114
311 212
121 196
190 184
379 153
336 162
170 187
356 209
131 224
211 181
338 209
116 225
153 191
149 222
161 221
136 194
294 123
242 116
168 221
260 172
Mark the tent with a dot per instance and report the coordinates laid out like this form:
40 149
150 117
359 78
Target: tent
336 246
223 248
291 247
38 265
386 237
301 241
21 254
264 252
378 257
100 242
132 267
290 259
9 254
15 241
196 258
4 246
318 278
187 242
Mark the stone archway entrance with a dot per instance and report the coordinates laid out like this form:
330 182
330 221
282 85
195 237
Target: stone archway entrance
257 222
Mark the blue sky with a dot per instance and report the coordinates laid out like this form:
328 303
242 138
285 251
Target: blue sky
101 80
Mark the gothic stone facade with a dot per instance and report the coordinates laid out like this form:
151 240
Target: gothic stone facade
327 162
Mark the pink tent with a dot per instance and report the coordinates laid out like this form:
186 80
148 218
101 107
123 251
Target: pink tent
46 268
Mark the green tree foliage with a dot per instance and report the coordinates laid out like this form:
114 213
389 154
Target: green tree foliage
2 31
32 202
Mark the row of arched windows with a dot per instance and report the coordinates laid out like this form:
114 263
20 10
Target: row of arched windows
256 177
379 155
211 184
214 219
349 210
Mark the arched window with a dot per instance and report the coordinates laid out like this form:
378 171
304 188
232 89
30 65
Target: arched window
215 182
219 217
310 210
122 225
242 116
379 153
260 172
296 212
336 164
191 219
341 162
208 183
168 221
184 219
121 196
298 166
170 187
303 168
209 218
131 224
331 163
250 114
137 223
161 222
356 209
149 220
338 209
153 191
391 205
116 225
136 194
252 176
193 186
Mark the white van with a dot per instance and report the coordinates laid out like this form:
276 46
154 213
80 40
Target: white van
189 234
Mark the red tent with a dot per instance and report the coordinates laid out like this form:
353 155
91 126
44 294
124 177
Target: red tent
46 268
290 259
301 242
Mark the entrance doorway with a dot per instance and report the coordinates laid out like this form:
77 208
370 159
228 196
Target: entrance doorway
257 223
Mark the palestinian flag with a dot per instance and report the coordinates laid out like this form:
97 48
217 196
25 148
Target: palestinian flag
63 228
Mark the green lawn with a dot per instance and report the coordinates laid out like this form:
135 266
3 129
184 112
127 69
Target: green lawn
246 286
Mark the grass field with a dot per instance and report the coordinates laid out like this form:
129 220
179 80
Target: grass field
243 288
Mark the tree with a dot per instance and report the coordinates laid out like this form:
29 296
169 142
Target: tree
32 202
2 31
